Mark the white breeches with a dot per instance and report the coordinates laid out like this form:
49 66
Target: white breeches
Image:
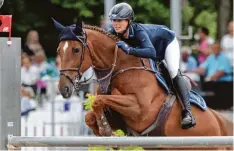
172 57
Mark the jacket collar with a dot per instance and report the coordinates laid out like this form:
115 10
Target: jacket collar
131 31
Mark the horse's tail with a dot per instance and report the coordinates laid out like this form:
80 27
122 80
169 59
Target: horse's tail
225 124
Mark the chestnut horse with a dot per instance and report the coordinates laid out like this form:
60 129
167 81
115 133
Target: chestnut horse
135 94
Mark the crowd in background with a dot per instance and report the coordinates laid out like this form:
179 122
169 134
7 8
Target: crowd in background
208 60
35 70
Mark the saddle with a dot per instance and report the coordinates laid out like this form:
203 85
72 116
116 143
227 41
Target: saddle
166 83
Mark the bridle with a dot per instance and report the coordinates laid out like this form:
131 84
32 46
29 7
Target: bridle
76 82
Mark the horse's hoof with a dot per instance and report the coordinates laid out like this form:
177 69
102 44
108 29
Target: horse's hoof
105 132
108 132
101 131
90 119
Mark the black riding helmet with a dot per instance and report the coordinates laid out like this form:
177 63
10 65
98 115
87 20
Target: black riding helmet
121 11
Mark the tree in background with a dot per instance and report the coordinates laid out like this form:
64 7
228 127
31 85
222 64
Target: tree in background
225 14
91 10
151 11
212 14
146 11
28 14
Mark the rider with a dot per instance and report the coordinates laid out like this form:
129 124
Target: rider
152 41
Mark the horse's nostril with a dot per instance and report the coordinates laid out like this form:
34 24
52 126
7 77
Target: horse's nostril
66 89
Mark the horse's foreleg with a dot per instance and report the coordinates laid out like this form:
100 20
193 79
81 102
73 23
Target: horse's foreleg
102 123
90 120
126 105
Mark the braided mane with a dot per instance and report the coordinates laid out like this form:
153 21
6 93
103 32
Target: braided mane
98 29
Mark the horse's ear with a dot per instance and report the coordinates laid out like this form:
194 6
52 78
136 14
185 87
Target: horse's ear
79 22
78 30
58 26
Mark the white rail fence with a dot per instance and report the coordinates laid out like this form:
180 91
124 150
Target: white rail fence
151 142
61 129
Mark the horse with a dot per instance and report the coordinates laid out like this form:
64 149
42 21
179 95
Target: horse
127 86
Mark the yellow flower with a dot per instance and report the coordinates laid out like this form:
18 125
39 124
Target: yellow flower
119 133
89 102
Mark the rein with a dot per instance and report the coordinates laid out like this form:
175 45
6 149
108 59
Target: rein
113 65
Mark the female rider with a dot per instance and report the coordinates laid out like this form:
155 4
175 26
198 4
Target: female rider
152 41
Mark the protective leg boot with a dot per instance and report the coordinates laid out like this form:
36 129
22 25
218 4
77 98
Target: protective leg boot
188 120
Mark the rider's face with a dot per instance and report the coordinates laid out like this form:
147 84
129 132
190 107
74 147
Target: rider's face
119 25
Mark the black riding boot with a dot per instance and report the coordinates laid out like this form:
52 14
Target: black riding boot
188 120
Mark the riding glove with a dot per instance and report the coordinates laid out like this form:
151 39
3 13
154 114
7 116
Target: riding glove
124 46
147 52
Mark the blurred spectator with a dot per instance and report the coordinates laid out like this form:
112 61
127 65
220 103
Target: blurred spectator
23 55
40 61
32 44
104 24
56 67
51 70
29 73
188 63
46 73
203 48
28 104
227 42
217 66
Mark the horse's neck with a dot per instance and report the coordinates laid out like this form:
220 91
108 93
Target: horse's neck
103 49
103 57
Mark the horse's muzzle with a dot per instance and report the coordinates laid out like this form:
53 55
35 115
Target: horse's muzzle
66 90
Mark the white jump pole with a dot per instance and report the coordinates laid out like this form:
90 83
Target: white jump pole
152 142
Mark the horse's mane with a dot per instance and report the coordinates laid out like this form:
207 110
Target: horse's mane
98 29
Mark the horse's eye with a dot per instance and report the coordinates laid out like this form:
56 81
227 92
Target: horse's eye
75 50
